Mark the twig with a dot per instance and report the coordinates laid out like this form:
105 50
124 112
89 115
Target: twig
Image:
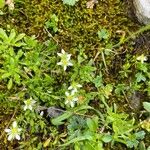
103 57
51 36
127 99
145 28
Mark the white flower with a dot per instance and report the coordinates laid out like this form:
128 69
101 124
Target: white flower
70 99
74 86
65 57
142 58
29 104
13 132
42 113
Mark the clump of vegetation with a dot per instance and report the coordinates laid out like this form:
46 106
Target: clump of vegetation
55 96
70 2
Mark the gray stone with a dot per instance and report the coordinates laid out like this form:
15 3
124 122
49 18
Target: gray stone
142 10
54 112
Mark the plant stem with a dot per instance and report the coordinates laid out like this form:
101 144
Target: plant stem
132 36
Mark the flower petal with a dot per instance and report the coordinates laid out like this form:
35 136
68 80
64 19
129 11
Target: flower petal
59 54
33 102
75 99
70 64
18 137
70 88
72 104
68 56
14 124
30 107
59 63
10 137
7 130
25 102
65 67
66 93
62 51
25 107
79 85
73 91
19 129
66 102
41 113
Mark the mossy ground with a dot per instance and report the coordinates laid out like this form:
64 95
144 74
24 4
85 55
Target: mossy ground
77 25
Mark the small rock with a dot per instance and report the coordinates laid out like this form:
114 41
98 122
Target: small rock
142 10
135 100
53 112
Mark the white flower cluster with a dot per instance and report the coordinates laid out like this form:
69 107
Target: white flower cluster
13 132
65 59
71 98
29 103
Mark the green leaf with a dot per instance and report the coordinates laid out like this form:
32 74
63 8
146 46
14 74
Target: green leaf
17 78
19 37
132 144
140 77
140 135
6 75
2 3
107 90
120 88
19 44
146 106
46 143
59 120
77 146
70 2
52 23
12 35
19 54
103 34
98 81
92 124
107 138
10 83
3 35
142 146
77 139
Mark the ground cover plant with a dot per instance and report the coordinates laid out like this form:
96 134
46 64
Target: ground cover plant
73 76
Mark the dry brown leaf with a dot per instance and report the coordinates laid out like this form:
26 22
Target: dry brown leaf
90 4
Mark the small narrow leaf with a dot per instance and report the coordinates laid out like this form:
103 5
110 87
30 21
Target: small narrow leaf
59 120
12 35
46 143
5 75
10 83
146 106
3 35
77 139
19 37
